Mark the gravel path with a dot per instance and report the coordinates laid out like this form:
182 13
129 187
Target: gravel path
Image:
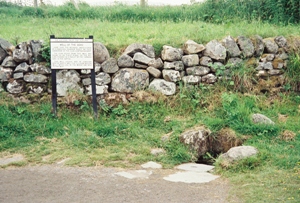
74 184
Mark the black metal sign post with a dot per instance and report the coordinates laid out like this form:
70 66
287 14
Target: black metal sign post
72 53
93 78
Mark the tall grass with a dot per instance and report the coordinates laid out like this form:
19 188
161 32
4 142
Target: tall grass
215 11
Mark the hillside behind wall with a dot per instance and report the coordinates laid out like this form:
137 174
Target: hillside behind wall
23 72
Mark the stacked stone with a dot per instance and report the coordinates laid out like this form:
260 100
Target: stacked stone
19 70
138 68
274 59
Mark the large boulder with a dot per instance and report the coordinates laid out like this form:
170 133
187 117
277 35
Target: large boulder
238 153
68 81
146 49
215 50
192 47
171 54
162 86
246 46
197 139
128 80
101 53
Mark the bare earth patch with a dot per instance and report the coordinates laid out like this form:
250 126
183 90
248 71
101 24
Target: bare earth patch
54 183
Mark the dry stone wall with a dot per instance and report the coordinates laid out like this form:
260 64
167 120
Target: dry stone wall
23 72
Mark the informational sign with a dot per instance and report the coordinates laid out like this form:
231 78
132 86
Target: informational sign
72 53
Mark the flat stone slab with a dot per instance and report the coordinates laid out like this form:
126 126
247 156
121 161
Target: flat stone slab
191 177
195 167
13 159
141 174
152 165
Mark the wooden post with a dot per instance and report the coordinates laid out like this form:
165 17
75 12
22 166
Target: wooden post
143 3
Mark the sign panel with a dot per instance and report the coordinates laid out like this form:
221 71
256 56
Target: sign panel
72 53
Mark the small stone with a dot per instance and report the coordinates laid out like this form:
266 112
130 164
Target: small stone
171 54
191 47
125 61
262 119
171 75
152 165
99 89
157 151
156 63
177 65
18 75
86 81
191 80
154 72
110 66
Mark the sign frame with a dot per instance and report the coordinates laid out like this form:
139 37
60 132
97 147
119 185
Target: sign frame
74 57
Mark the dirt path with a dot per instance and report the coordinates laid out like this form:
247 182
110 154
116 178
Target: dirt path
74 184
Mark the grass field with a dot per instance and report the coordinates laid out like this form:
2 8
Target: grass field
123 136
118 35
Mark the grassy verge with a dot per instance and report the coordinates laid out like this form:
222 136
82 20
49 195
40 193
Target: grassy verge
118 35
124 136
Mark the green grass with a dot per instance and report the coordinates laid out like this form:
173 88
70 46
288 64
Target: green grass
123 136
116 36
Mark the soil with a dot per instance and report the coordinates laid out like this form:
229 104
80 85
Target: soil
52 183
